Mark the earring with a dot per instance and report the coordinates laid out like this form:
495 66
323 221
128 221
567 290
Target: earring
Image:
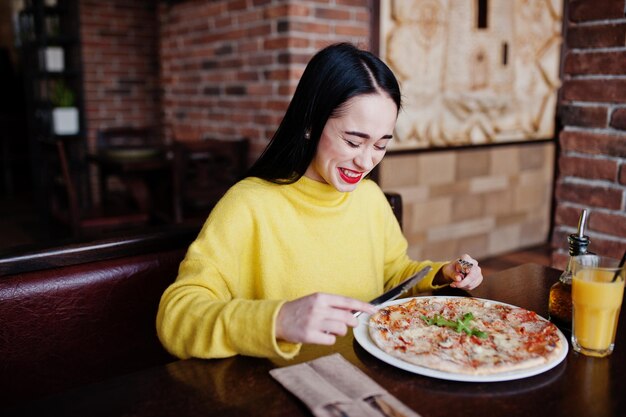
307 135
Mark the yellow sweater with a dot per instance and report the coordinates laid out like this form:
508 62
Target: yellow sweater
264 244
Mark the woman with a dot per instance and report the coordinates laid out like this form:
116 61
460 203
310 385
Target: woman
294 248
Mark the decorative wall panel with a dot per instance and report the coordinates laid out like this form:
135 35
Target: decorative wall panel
473 72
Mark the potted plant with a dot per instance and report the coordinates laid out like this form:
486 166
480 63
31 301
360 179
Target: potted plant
64 112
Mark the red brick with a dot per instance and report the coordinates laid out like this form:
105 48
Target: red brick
309 27
277 74
279 105
584 116
248 46
593 143
260 30
268 119
219 23
257 61
618 119
559 238
276 11
346 30
356 3
288 57
603 90
589 168
622 174
276 43
257 3
252 15
298 9
596 36
613 224
240 118
606 247
248 76
236 5
567 215
331 14
590 195
287 89
585 10
611 63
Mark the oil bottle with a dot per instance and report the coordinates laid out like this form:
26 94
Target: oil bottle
560 300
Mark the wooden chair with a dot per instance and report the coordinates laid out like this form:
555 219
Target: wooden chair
395 201
130 161
92 221
203 171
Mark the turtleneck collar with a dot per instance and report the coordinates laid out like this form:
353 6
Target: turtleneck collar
319 192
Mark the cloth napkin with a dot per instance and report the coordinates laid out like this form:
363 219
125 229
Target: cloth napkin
331 386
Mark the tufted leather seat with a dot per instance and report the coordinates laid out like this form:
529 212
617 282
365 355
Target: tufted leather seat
80 323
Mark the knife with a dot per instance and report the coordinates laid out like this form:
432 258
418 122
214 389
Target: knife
399 289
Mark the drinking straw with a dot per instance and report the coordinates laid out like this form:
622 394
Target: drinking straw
621 265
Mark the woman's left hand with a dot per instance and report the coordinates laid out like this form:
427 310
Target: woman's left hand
462 277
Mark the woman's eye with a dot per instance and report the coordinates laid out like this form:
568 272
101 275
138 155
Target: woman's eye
380 147
352 144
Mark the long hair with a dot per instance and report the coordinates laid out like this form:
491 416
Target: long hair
334 75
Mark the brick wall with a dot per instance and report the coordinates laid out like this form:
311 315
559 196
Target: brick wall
120 64
229 68
592 159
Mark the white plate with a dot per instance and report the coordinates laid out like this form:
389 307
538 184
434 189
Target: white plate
361 334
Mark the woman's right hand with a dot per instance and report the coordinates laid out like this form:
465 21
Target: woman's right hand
318 318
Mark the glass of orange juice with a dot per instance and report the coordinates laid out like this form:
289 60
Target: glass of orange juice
597 293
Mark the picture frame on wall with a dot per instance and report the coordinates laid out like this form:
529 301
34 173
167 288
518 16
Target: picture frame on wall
472 73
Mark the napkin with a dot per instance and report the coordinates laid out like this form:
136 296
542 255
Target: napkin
331 386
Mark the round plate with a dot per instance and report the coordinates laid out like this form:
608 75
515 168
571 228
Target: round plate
361 334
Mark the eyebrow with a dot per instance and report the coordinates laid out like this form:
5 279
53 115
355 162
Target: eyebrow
365 135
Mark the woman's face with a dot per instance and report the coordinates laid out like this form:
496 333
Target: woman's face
353 143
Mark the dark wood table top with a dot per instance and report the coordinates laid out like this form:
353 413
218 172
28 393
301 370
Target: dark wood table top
132 161
242 386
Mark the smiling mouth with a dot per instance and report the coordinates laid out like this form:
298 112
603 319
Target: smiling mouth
349 176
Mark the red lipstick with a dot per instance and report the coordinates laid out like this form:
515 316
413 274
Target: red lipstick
349 180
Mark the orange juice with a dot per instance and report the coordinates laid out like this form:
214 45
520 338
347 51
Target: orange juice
597 301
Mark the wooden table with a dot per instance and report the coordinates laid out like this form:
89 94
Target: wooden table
242 386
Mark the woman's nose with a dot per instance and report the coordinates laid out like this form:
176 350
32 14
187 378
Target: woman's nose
365 160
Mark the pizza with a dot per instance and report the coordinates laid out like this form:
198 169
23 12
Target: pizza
465 335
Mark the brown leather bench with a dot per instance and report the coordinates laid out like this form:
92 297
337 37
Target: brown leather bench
81 313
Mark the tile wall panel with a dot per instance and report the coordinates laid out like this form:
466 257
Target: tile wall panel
484 201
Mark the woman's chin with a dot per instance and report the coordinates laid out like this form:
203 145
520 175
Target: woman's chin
344 187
